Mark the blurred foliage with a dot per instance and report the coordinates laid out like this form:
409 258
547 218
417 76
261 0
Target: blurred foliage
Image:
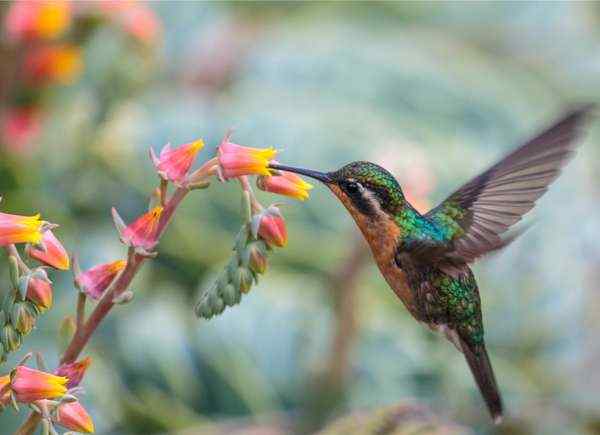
441 87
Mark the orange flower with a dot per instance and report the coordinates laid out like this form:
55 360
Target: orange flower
73 416
28 19
60 64
30 385
55 255
272 228
174 164
74 372
20 229
287 184
236 160
96 280
143 232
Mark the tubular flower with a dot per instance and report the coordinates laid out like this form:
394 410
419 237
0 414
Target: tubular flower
73 416
236 160
287 184
28 20
55 255
174 164
39 291
60 64
74 371
20 229
143 232
96 280
4 390
30 385
272 228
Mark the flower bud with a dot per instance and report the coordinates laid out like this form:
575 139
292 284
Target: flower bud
23 317
10 338
215 302
54 254
243 279
256 256
73 416
272 229
74 372
39 292
230 295
30 385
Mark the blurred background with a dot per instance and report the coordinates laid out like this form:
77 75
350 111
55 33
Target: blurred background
435 91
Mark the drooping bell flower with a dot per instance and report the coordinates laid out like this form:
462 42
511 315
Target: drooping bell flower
96 280
30 385
73 416
21 229
236 160
271 227
54 254
74 371
287 184
143 232
174 164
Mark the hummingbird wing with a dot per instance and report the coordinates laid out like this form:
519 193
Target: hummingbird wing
484 208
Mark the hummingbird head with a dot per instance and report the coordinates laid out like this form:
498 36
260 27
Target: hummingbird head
366 189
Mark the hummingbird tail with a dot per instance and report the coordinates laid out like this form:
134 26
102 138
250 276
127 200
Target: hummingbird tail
479 363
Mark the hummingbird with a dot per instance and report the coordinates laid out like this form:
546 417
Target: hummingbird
426 258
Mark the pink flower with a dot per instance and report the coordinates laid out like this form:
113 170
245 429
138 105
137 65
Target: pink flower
174 164
236 160
74 371
96 280
272 228
73 416
287 184
30 385
27 19
39 291
20 126
20 229
55 254
143 232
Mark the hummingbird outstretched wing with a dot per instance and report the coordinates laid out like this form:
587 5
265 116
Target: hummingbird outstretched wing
477 214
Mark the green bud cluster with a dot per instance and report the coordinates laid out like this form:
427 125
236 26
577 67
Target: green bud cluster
249 259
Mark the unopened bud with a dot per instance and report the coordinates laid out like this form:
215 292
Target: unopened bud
13 267
10 338
23 317
256 256
216 303
243 279
230 295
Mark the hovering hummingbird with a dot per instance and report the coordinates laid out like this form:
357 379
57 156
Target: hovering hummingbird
426 258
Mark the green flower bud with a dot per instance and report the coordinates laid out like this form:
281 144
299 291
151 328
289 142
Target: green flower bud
231 295
10 338
23 317
255 256
243 279
215 302
203 309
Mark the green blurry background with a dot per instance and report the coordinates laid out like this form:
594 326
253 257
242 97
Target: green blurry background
435 91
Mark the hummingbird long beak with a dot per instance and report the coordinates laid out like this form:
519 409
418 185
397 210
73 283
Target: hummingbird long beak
321 176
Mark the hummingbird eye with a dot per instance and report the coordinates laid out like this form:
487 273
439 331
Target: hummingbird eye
353 187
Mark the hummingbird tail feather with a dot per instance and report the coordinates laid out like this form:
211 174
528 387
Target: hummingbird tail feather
479 363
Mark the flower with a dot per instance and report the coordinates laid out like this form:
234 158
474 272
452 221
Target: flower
73 416
272 228
56 64
287 184
143 232
4 390
174 164
55 255
30 385
39 291
20 229
27 20
96 280
236 160
74 371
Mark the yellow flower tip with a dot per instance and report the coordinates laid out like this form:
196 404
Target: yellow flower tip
197 145
117 266
156 212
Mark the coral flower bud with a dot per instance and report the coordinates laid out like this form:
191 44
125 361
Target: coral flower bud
4 391
30 385
96 280
23 317
143 232
287 184
236 160
272 229
257 257
54 255
39 291
73 416
21 229
74 371
174 164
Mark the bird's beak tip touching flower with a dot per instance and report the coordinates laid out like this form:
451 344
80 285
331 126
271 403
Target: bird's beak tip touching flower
285 183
